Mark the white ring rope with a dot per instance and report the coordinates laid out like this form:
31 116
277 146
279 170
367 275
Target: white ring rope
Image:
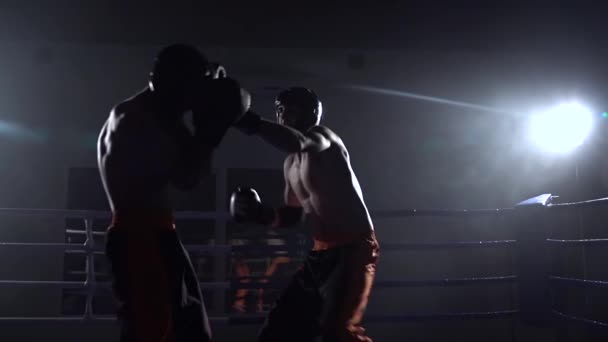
90 248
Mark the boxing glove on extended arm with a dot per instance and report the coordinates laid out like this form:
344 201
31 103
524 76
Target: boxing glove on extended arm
222 102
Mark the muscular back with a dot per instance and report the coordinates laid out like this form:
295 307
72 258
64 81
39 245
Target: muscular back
134 157
324 184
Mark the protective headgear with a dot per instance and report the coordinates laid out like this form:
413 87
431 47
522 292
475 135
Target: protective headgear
302 103
177 68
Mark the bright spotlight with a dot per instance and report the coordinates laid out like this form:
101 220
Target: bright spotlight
562 128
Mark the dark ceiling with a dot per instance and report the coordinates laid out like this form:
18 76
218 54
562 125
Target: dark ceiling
472 25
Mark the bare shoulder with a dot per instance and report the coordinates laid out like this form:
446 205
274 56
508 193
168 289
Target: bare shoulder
126 116
323 130
327 133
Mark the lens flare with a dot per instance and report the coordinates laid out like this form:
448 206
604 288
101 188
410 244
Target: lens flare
562 128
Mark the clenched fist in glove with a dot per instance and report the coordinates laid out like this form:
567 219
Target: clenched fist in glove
222 102
246 207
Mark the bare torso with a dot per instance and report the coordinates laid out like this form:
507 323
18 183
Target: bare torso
324 184
134 157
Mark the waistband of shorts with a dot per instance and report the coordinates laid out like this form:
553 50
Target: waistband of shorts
334 240
142 220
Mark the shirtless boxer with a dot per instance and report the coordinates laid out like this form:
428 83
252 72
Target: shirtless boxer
144 148
328 294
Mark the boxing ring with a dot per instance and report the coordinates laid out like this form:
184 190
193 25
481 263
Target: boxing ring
533 249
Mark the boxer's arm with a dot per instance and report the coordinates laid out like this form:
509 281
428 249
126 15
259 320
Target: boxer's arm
290 140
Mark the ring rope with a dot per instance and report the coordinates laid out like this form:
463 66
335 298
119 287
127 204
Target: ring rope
442 245
585 242
579 319
263 282
580 282
90 248
576 205
88 285
257 319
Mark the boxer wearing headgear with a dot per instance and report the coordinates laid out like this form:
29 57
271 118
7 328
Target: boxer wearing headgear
144 148
329 293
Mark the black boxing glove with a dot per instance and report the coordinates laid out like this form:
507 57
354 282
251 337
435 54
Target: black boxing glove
249 123
222 102
246 207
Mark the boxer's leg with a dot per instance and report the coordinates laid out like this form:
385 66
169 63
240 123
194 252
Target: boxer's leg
295 315
141 283
360 270
242 270
274 265
190 321
116 254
